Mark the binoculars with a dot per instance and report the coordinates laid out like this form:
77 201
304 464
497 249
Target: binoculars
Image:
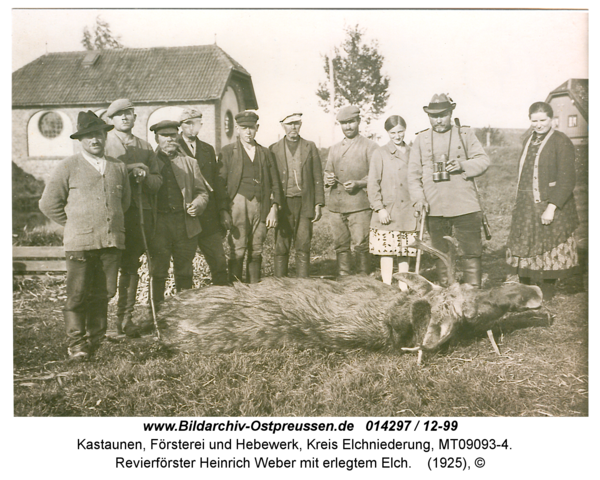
439 170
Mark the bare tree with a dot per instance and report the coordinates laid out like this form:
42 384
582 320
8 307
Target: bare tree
101 38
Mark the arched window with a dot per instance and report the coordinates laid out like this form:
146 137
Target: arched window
50 124
48 134
228 124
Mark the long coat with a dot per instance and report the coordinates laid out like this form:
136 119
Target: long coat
387 188
312 174
231 166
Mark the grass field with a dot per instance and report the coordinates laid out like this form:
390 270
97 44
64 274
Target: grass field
542 371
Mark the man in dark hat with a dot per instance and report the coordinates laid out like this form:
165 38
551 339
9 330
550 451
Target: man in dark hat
210 239
253 192
346 175
145 180
181 199
443 162
88 194
300 172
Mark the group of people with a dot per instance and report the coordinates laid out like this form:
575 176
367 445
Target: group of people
119 198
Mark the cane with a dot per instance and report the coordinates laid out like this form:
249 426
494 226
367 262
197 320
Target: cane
150 289
419 251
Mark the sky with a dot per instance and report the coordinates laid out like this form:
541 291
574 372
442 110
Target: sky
493 63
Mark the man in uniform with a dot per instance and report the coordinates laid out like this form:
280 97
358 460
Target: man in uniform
346 175
145 180
210 239
181 199
88 194
253 192
449 196
300 172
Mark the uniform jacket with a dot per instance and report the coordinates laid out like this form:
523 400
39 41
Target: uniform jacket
555 179
312 175
349 160
387 188
456 196
139 151
231 164
217 198
89 205
192 186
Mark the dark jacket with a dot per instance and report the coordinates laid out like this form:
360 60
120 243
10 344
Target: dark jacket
231 163
217 198
312 174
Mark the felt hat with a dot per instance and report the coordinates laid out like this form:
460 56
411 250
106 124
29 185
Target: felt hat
88 122
347 113
439 103
118 106
189 113
246 118
165 126
292 117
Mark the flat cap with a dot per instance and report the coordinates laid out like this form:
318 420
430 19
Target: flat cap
246 118
118 105
166 126
189 113
347 113
292 117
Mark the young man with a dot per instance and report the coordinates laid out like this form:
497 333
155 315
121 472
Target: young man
210 239
449 197
346 174
145 180
253 192
88 194
300 172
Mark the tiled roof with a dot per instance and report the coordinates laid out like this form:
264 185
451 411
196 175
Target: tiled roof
578 90
165 74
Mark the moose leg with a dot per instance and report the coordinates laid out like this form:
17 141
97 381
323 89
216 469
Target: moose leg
490 335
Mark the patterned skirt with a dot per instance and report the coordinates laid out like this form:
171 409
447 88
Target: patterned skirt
383 242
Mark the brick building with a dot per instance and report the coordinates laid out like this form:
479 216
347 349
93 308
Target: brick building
569 102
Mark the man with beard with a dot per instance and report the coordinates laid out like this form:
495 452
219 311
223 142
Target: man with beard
443 162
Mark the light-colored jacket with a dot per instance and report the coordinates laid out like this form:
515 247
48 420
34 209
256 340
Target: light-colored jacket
456 196
387 188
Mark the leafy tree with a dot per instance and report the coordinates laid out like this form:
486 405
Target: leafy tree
101 38
357 76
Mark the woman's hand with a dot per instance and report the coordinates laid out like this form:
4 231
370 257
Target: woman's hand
384 217
548 215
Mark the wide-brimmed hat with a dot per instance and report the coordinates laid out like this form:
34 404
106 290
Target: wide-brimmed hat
439 103
88 122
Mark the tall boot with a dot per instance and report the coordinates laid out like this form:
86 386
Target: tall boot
75 329
236 267
364 263
96 322
127 326
254 266
280 265
472 271
343 263
122 299
302 264
548 286
442 273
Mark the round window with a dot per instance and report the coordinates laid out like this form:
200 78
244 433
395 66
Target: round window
51 125
229 124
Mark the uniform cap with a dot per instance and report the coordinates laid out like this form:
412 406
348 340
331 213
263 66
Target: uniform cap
118 106
166 126
347 113
246 118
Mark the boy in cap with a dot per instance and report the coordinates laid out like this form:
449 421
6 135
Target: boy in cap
449 197
346 175
210 239
253 192
299 167
88 194
143 169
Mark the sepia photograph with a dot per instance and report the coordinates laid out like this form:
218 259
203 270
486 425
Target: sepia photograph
370 212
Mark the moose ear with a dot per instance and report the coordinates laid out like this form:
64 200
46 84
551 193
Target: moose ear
416 282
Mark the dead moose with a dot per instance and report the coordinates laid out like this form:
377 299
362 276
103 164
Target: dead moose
354 313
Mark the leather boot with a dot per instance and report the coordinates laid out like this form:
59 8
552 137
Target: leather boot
364 263
122 300
302 264
75 328
280 265
235 270
442 273
127 326
472 271
548 287
254 266
96 323
343 263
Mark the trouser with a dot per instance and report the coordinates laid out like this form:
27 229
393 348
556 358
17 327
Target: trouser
91 282
248 232
351 231
171 240
293 227
211 246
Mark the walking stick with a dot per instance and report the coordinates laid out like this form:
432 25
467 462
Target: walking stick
150 289
419 251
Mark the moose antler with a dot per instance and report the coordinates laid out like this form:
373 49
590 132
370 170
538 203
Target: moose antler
449 259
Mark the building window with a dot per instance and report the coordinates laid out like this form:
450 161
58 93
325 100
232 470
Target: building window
572 120
556 122
229 124
50 124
